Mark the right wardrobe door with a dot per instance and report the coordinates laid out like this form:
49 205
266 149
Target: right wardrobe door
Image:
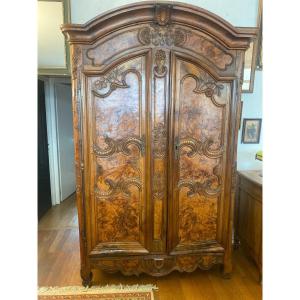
200 110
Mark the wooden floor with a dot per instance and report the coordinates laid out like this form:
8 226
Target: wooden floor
58 265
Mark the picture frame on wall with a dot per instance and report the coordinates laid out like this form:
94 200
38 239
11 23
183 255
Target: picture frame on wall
251 131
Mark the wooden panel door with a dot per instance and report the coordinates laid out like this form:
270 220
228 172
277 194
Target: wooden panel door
117 177
198 158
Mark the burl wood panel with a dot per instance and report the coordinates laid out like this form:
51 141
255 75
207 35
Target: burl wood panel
200 137
118 109
203 45
112 46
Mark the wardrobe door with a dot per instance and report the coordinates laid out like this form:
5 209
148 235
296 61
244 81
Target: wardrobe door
117 179
198 158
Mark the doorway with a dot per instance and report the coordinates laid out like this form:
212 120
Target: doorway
44 189
57 134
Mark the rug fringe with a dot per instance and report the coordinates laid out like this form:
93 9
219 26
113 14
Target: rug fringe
56 290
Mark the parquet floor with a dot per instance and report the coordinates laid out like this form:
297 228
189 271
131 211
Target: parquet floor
58 265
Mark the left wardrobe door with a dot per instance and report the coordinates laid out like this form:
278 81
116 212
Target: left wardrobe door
116 179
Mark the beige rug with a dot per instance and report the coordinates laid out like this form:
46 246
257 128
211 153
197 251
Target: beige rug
109 292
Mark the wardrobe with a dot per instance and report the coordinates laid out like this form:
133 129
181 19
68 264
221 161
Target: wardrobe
156 110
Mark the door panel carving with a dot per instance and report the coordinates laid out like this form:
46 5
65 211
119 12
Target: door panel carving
200 128
118 108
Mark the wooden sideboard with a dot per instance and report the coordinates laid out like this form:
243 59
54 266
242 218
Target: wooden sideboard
248 215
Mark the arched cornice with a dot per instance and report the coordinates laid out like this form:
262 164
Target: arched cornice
163 13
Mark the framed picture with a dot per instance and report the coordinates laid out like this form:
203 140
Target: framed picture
251 131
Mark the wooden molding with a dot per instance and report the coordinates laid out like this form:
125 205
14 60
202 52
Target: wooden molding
146 12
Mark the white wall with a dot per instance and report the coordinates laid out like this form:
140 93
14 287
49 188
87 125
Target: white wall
252 108
237 12
51 43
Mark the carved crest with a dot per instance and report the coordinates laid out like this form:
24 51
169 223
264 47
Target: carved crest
162 36
162 14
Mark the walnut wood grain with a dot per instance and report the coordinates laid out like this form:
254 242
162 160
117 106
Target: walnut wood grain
156 97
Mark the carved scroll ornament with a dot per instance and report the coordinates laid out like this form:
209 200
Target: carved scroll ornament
111 81
117 187
120 146
162 36
201 148
206 85
158 266
203 188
